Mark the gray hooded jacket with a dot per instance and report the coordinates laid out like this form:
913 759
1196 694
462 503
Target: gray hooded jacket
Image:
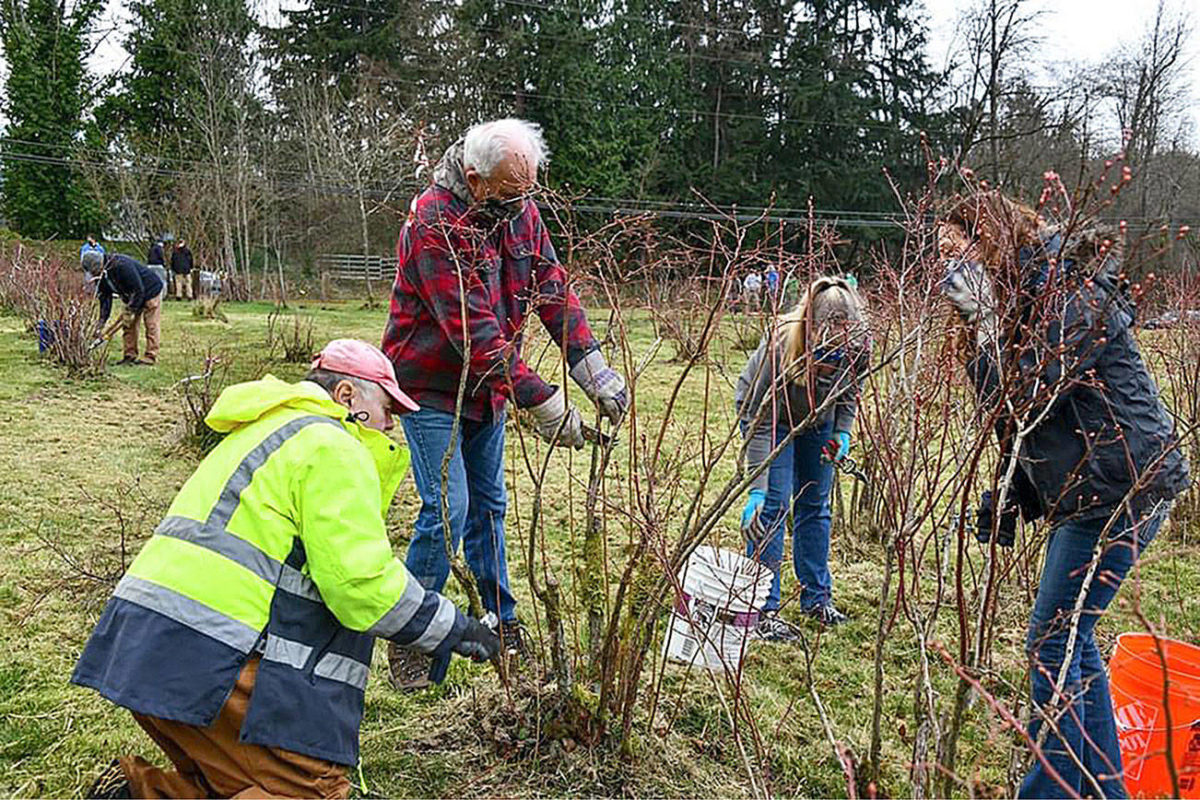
790 404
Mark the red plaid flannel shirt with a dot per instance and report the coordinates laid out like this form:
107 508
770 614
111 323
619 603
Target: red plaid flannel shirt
507 270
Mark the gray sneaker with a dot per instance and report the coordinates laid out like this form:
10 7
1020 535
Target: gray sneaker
827 614
773 628
408 670
514 638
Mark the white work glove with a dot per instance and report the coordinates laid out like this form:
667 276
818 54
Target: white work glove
603 384
549 415
969 290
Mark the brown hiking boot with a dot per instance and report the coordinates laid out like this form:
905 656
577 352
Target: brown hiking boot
408 670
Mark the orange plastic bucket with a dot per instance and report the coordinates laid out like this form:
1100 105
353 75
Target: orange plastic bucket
1136 678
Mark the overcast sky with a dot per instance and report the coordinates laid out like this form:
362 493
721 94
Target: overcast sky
1076 30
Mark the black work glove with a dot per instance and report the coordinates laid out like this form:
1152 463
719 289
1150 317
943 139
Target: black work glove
1006 533
478 642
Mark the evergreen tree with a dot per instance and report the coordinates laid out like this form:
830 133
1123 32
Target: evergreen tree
385 48
46 95
740 99
173 46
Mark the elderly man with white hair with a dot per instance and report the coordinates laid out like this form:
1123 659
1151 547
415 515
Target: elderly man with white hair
474 259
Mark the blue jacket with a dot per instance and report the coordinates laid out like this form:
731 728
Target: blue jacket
99 248
1105 429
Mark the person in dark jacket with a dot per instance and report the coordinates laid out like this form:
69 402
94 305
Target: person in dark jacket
181 270
1050 347
155 257
803 379
141 292
156 263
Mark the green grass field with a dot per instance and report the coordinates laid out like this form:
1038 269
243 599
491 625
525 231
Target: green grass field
89 466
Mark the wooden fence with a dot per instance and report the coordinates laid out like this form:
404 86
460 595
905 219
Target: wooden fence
355 267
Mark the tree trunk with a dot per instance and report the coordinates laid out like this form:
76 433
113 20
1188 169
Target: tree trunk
366 240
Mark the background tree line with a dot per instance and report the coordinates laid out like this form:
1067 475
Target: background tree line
267 136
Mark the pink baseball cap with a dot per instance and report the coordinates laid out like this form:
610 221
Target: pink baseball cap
357 358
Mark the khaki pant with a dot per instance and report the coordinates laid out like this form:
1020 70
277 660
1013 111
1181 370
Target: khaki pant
151 318
211 762
182 285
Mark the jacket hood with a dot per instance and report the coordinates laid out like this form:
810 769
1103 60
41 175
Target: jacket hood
449 172
244 403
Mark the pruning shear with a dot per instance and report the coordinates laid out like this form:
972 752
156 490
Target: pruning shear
850 467
596 436
106 334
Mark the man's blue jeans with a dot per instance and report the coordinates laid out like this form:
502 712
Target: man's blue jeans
801 480
477 500
1084 712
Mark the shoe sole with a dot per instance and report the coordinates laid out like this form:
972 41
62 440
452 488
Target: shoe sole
411 687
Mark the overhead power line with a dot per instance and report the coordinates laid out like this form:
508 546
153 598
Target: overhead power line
615 207
633 208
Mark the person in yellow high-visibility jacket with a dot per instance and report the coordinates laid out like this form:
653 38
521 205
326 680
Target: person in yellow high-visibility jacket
241 635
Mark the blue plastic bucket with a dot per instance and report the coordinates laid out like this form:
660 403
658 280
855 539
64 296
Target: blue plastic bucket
45 335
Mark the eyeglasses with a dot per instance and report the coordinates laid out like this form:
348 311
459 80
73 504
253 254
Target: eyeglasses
512 201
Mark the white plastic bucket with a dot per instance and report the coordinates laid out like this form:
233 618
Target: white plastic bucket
717 611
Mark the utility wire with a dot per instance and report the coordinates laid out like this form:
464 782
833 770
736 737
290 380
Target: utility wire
834 218
626 204
631 209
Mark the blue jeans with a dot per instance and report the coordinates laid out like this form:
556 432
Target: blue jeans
478 502
800 480
1084 713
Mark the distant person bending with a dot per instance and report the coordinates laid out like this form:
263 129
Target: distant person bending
90 246
181 270
141 292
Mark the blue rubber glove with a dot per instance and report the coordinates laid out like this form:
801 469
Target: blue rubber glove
838 446
753 505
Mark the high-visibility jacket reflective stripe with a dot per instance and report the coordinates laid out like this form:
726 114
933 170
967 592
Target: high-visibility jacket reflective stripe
187 611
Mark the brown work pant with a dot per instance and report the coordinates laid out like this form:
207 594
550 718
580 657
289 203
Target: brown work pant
182 285
151 317
211 762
